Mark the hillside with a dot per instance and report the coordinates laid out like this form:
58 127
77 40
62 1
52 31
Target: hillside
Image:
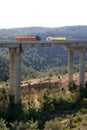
53 84
71 32
36 60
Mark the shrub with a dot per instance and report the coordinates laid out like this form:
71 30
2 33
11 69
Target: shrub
3 125
84 103
53 125
72 86
84 91
83 110
78 118
30 125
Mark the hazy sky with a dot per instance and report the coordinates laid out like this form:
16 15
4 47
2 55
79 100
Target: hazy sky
47 13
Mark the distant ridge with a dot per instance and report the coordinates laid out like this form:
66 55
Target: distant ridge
71 32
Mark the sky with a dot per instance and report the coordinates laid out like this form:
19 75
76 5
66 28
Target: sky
44 13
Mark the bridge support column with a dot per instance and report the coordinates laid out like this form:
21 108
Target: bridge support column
15 69
70 65
82 68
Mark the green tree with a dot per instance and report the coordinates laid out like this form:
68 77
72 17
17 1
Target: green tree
3 99
46 102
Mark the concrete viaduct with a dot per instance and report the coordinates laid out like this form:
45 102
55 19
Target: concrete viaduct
15 51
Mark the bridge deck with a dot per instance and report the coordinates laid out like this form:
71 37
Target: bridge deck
66 43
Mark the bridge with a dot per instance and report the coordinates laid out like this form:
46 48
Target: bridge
15 51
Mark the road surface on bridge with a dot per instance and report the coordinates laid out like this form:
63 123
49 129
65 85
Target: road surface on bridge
43 43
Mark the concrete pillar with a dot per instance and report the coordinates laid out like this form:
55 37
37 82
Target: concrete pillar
15 70
82 68
12 68
70 65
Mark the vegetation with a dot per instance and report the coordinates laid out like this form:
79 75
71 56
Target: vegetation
57 111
